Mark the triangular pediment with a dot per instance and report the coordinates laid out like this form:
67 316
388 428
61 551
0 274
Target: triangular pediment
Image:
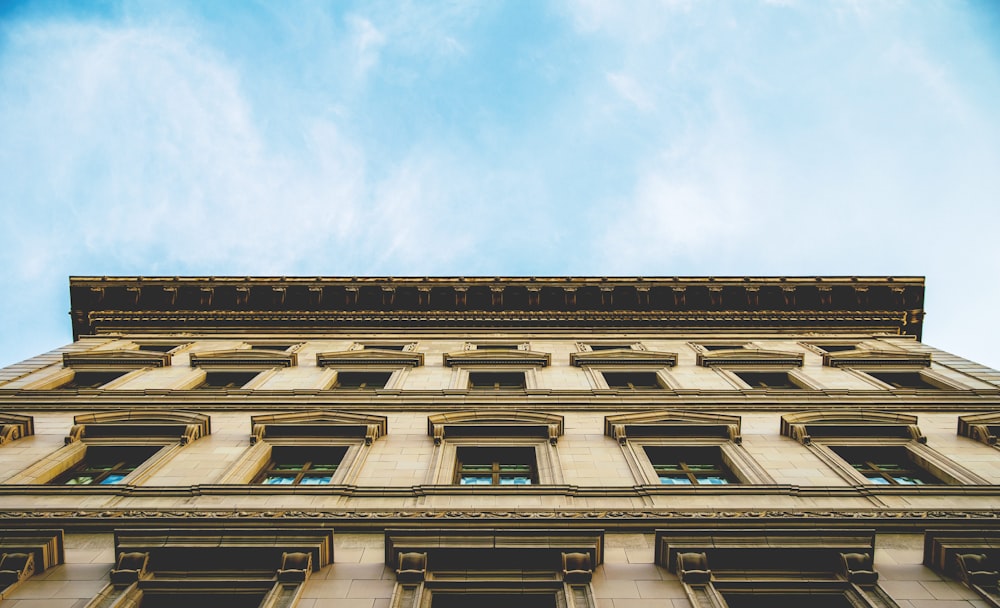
672 423
369 356
318 423
750 356
497 357
487 423
115 359
624 356
805 426
865 357
243 358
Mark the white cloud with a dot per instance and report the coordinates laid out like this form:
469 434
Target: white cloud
367 42
630 90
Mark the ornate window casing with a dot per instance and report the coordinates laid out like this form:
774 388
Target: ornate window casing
984 428
249 568
25 553
282 346
239 369
326 431
504 364
970 556
719 568
486 430
644 434
398 346
758 369
493 567
838 435
395 363
100 369
497 345
163 346
867 358
162 432
895 370
626 368
15 426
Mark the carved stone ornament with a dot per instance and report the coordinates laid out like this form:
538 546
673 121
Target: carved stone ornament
479 423
318 423
672 423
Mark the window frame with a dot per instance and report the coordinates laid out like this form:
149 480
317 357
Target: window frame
496 465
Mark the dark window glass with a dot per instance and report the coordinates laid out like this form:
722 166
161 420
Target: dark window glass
493 600
721 346
764 599
496 467
224 380
160 348
835 348
499 381
496 347
610 346
886 465
903 379
632 380
767 380
689 465
301 465
279 347
362 380
92 379
384 347
105 465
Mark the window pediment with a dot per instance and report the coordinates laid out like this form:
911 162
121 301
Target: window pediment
875 358
105 360
486 549
672 424
497 357
981 427
763 549
318 424
478 423
804 426
172 425
243 359
623 356
369 356
751 357
15 426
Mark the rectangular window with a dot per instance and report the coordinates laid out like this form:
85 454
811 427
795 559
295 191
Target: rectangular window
301 465
92 379
494 600
732 346
497 347
763 599
498 381
835 348
398 347
279 347
224 380
161 348
105 465
480 466
689 465
778 380
632 380
597 347
362 380
885 465
902 379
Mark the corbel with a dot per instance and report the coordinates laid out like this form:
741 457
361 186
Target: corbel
607 296
424 296
259 430
858 568
496 293
372 432
351 296
171 292
826 296
279 294
715 295
788 291
438 433
192 432
753 296
680 297
693 568
642 295
618 432
388 295
15 567
135 291
242 296
534 296
9 432
76 433
553 434
977 570
129 568
295 567
460 295
316 295
577 568
569 296
206 295
411 567
98 292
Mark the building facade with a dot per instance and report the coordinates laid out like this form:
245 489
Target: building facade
541 442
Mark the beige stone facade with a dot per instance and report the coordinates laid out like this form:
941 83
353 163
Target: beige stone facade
437 442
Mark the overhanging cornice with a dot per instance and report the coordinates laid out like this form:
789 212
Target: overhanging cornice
866 304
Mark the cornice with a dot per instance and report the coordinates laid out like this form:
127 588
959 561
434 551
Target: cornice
101 304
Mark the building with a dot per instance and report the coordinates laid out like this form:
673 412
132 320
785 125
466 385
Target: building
539 442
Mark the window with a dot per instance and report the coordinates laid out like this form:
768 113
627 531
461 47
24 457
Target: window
494 600
496 467
497 381
892 465
689 465
597 347
91 379
632 380
769 380
498 346
162 348
274 347
226 380
301 465
874 447
123 446
362 380
397 347
105 465
836 348
903 380
729 346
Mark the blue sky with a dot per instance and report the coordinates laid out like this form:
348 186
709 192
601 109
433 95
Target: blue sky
670 137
